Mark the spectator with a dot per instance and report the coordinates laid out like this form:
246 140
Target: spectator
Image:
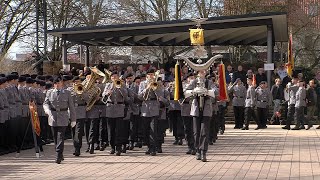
229 74
261 76
239 74
250 74
140 70
185 72
277 92
282 72
170 75
300 76
147 66
311 103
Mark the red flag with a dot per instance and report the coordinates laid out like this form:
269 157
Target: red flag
254 81
290 64
223 93
34 118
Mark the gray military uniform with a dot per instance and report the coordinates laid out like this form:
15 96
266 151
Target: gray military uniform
150 106
291 103
301 103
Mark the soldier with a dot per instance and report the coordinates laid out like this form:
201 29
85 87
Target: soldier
300 104
277 92
175 116
263 97
115 95
250 103
214 124
136 118
102 138
311 103
238 101
187 118
150 109
80 109
201 117
59 106
40 97
292 89
4 117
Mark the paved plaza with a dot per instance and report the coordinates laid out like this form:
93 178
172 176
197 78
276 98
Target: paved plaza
270 153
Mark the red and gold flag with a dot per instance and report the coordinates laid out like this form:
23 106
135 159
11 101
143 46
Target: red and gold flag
35 118
290 64
254 80
223 92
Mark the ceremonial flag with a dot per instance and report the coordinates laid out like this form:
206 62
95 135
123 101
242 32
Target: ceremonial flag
34 118
290 64
254 80
196 36
223 92
178 91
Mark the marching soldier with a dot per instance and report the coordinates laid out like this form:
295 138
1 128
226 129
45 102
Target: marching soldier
311 103
250 103
115 95
263 97
187 118
102 122
201 117
292 89
80 109
214 124
300 104
137 127
59 106
150 109
238 102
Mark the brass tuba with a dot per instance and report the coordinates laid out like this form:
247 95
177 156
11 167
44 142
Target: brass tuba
90 88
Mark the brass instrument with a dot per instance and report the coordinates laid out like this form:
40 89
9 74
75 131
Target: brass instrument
107 76
153 84
118 83
78 88
89 87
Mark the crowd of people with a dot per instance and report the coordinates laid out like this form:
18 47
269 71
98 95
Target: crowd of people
132 109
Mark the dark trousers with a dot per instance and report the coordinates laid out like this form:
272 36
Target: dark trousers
248 115
78 134
117 132
93 131
2 137
201 132
188 130
151 132
290 114
177 124
103 134
299 116
134 127
214 128
221 116
58 138
16 132
238 116
262 114
161 129
44 127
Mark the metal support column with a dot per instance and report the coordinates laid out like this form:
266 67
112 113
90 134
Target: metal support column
87 57
64 51
269 51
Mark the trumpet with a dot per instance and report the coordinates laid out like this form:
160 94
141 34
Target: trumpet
78 88
118 83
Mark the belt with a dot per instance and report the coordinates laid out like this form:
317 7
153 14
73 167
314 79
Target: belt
238 96
58 110
79 104
153 99
115 103
262 101
39 104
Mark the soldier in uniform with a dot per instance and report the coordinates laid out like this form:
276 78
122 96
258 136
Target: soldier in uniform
187 118
59 106
311 103
214 124
102 138
300 104
4 117
137 131
263 97
150 109
115 95
201 117
39 99
292 89
239 94
250 103
175 117
80 109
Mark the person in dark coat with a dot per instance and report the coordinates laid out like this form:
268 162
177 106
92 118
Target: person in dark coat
239 74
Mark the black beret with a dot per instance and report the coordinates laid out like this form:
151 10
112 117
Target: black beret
137 77
57 79
40 77
3 80
33 76
76 78
142 75
263 82
29 80
249 78
2 75
42 83
48 85
128 75
15 77
150 71
22 79
114 72
15 73
27 75
9 77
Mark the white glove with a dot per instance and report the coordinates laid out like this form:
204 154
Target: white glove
73 124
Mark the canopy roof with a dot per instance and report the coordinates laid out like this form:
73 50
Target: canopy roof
248 29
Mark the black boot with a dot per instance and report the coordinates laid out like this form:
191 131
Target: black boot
91 151
59 158
113 150
131 145
102 146
88 149
180 142
176 141
118 151
76 152
198 155
97 147
286 127
309 126
124 149
159 148
189 151
194 151
245 128
204 156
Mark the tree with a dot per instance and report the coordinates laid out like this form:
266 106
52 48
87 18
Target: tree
15 19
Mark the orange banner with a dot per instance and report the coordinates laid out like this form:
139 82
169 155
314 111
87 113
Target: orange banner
290 64
223 93
35 118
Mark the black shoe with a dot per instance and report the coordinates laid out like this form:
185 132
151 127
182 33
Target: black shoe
175 142
91 151
131 146
76 152
236 127
153 153
147 152
286 127
140 145
180 142
58 160
302 127
97 147
112 151
204 157
88 149
194 152
245 128
62 158
309 126
295 128
107 144
264 127
189 151
318 127
159 149
210 142
221 132
198 156
257 128
41 148
118 153
124 149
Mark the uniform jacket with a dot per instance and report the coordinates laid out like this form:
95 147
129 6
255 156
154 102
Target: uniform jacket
25 98
135 105
250 97
174 105
100 104
40 97
116 101
292 94
12 101
263 97
311 97
79 104
59 107
4 106
301 96
239 95
195 109
166 103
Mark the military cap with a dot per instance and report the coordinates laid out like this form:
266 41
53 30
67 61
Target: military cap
2 75
10 77
33 76
29 80
22 79
137 77
150 71
3 80
57 79
48 85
